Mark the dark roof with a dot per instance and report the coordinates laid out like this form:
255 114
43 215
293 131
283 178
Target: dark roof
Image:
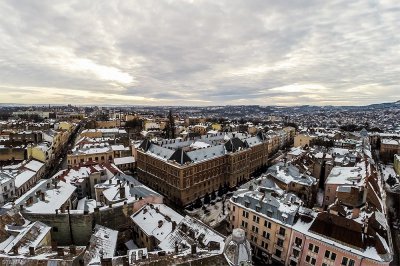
234 144
339 228
180 156
145 145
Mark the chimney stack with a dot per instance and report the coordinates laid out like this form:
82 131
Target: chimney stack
42 196
176 247
122 192
60 252
53 245
193 249
32 251
173 225
160 223
72 249
15 250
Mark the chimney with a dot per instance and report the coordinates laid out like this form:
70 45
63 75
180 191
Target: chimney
122 192
193 248
160 223
63 209
15 250
72 249
53 245
56 211
356 213
48 185
176 247
21 207
110 205
32 251
42 196
110 181
173 225
60 252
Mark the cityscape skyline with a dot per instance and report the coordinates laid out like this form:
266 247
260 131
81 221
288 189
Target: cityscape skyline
199 53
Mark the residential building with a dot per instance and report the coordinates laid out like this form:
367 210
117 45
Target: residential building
266 214
187 170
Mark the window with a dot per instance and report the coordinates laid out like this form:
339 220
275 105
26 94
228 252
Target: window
313 248
55 229
298 241
280 243
313 261
244 224
316 249
254 229
347 262
264 244
282 231
308 258
256 219
245 214
266 235
330 255
278 253
267 224
296 253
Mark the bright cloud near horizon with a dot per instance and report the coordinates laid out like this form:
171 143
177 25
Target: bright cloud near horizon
200 52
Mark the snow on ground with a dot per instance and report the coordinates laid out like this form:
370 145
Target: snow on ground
213 215
387 170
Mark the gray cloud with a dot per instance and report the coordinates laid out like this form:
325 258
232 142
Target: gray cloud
200 52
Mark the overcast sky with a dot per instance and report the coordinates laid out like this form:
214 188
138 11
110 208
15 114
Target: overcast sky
200 52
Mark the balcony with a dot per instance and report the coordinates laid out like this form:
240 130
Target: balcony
297 247
276 257
293 258
278 247
280 236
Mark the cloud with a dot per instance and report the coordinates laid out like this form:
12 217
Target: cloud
199 52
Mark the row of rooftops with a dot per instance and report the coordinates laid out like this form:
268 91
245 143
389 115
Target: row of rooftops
21 172
200 149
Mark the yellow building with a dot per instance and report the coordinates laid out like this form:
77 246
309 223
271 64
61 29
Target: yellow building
40 152
66 126
216 127
302 140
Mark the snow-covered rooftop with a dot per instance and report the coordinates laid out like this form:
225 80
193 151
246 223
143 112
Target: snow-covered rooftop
156 220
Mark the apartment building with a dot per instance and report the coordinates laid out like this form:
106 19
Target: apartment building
267 215
187 170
